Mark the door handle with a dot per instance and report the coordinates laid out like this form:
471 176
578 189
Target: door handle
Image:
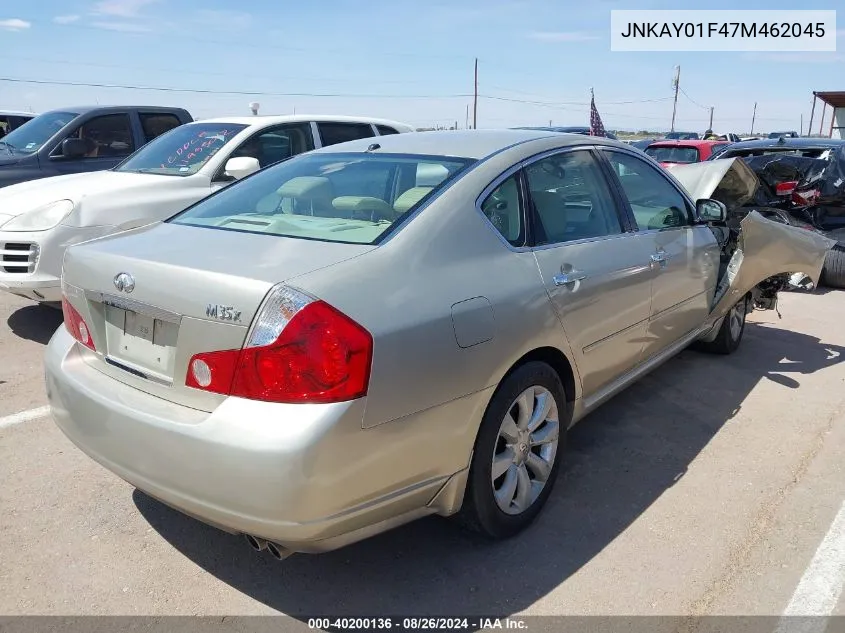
569 278
660 257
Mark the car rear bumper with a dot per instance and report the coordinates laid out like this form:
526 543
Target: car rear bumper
307 477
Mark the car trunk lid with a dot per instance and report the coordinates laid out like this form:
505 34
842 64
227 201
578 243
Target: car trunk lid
155 296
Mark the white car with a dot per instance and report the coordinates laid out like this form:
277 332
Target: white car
41 218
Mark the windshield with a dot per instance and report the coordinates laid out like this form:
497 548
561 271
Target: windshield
183 150
672 154
352 198
31 136
682 136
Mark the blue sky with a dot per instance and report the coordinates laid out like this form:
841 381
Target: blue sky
410 61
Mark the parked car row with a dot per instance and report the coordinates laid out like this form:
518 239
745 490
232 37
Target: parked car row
307 341
41 218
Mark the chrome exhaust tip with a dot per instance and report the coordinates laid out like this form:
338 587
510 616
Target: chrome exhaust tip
278 552
258 544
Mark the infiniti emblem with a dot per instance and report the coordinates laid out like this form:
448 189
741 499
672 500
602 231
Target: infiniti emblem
124 282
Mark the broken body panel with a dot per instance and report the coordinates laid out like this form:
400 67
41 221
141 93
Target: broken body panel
758 255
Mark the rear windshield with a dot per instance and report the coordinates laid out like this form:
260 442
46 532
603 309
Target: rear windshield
672 154
336 197
183 150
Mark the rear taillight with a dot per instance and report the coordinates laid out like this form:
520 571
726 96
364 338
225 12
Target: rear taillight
76 325
300 350
786 188
807 198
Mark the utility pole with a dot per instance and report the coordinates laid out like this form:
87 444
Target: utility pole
550 123
677 83
753 118
475 99
466 126
710 127
801 129
812 113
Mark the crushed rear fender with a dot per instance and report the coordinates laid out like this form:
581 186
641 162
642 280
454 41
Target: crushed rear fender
765 249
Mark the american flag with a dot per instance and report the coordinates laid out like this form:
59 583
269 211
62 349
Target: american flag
596 126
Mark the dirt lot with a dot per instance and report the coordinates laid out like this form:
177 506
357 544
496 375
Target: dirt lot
707 488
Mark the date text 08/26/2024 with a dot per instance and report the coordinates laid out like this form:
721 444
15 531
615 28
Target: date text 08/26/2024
416 624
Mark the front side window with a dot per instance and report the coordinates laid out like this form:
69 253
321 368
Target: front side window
155 124
277 144
105 136
31 136
182 151
667 154
571 199
655 201
334 133
502 207
341 197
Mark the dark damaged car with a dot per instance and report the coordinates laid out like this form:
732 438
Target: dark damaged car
804 178
735 184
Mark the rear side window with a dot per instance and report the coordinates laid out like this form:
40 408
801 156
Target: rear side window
334 133
106 136
571 199
502 207
384 130
340 197
155 124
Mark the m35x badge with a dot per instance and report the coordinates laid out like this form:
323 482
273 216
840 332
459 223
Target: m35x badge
223 313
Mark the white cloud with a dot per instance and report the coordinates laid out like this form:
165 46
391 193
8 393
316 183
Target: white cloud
562 36
65 19
221 18
14 24
121 8
122 27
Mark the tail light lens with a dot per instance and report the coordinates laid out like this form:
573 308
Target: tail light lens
300 350
76 325
808 197
786 188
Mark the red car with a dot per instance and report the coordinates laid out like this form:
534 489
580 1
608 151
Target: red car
682 152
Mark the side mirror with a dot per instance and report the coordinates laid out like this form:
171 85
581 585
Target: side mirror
74 148
711 210
241 167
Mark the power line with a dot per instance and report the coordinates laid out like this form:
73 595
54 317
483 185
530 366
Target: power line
200 72
258 93
693 100
579 103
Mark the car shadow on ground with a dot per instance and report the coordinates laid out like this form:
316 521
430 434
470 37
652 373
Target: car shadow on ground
619 461
35 322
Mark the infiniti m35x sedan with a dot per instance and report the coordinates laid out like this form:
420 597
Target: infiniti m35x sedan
395 327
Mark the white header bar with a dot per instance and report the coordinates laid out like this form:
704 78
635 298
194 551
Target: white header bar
723 31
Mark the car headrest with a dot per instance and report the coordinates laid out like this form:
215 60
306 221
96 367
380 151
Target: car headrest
306 187
410 198
363 204
551 210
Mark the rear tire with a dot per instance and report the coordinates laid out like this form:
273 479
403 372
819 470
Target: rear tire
730 333
517 453
833 272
